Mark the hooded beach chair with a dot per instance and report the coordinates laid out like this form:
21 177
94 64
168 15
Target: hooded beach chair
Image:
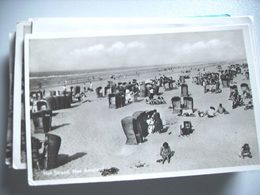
42 105
182 79
127 125
112 100
51 103
42 121
186 129
244 87
140 125
188 103
176 104
52 145
184 90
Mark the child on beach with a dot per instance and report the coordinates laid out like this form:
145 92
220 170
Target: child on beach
222 110
245 151
166 152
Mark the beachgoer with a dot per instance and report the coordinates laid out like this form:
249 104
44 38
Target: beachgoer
85 87
204 84
211 112
165 152
249 105
237 101
90 88
150 123
151 93
222 110
158 124
245 151
201 113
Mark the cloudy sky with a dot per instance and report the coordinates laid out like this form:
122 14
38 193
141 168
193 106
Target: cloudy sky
65 54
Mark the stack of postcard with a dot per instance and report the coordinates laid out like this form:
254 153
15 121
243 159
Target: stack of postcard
112 99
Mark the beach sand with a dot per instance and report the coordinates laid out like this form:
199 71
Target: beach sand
92 133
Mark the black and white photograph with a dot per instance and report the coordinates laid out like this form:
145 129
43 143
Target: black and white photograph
136 106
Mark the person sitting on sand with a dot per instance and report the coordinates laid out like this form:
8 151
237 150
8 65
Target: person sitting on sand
249 105
150 123
222 110
237 101
247 95
161 100
245 151
233 94
166 152
211 112
186 112
201 113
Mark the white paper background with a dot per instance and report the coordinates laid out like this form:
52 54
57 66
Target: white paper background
12 11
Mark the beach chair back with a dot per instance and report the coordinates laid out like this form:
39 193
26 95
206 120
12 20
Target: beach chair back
127 125
244 87
140 125
112 100
238 70
188 103
182 79
51 103
187 124
184 90
42 105
176 104
77 89
42 121
53 147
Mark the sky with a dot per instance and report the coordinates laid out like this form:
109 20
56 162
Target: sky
68 54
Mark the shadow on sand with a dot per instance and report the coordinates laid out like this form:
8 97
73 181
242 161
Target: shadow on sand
58 126
63 159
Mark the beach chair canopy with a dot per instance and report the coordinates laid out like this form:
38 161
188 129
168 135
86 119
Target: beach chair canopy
184 90
176 103
53 147
188 103
128 128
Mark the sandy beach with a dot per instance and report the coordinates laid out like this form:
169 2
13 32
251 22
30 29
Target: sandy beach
93 137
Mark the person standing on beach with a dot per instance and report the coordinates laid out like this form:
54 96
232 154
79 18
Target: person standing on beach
84 87
90 88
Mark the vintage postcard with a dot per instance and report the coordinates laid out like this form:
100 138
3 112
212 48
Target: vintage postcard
19 143
141 105
104 25
9 131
